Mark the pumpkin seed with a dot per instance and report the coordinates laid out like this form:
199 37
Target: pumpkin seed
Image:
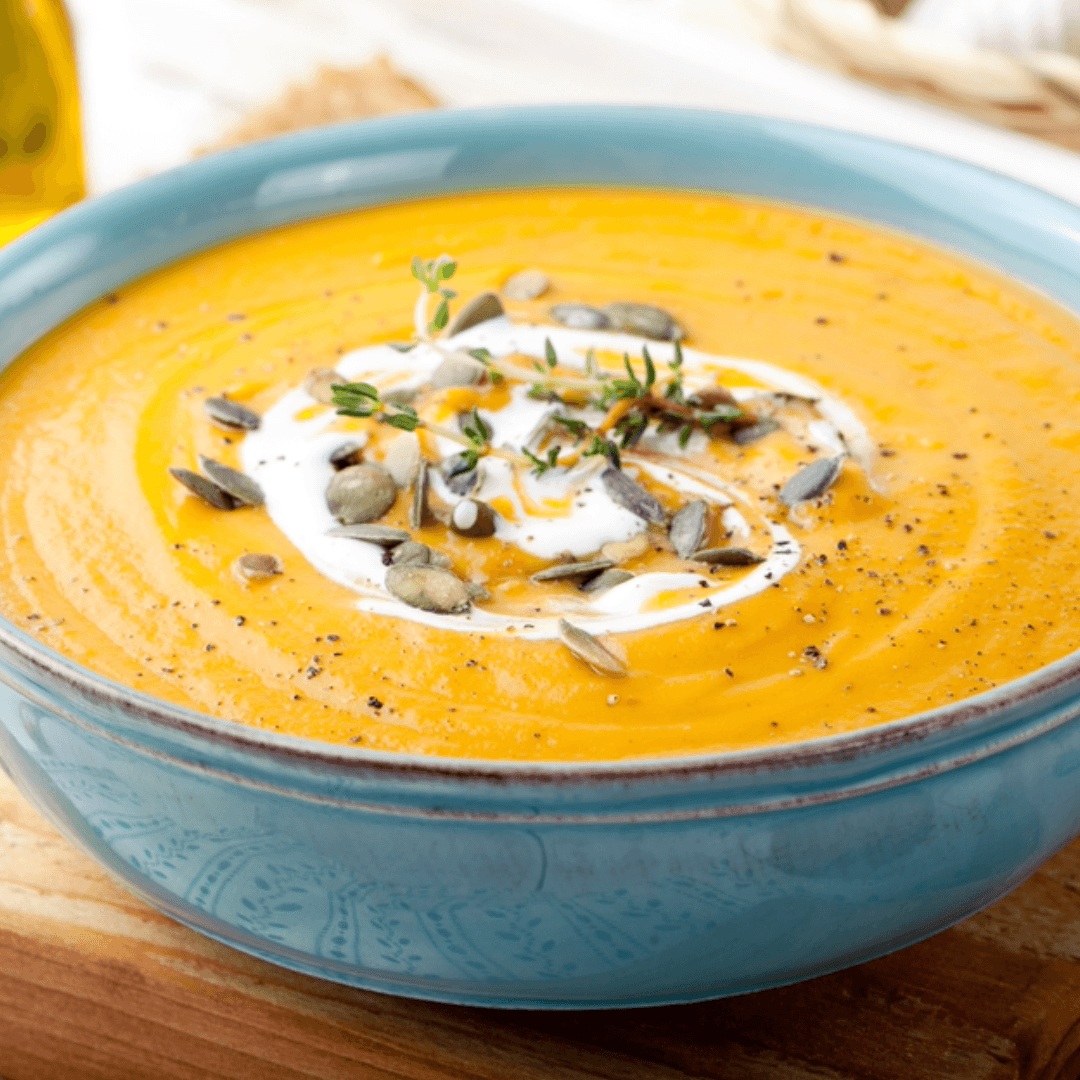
471 517
727 557
347 454
646 320
688 528
360 493
630 495
319 383
242 488
586 648
256 567
231 415
753 432
605 580
813 481
411 553
383 535
713 397
580 317
457 371
526 285
478 310
460 479
402 458
403 395
439 559
428 588
207 490
418 508
566 571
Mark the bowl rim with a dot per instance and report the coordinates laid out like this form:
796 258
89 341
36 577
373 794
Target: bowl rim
962 717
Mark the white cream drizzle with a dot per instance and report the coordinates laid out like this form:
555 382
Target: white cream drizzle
289 457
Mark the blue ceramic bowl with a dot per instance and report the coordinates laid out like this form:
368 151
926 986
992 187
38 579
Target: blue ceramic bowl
557 886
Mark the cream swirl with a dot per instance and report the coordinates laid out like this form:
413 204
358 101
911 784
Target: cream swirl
289 456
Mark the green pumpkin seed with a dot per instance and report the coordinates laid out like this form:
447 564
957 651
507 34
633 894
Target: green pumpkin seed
478 310
256 567
526 285
360 493
813 481
688 528
587 649
242 488
727 557
383 535
428 588
580 317
231 415
207 490
630 495
572 570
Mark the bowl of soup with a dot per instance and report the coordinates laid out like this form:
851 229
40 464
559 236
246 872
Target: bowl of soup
552 557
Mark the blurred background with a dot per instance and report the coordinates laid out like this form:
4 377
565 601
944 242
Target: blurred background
994 81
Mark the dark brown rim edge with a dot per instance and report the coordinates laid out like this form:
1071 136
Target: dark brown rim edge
834 749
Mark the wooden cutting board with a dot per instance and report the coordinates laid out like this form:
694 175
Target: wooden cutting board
94 985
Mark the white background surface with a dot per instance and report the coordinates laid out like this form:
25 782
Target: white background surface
161 77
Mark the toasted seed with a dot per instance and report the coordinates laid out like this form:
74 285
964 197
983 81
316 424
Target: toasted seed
207 490
360 493
713 397
566 571
439 559
242 488
255 567
585 647
428 588
402 458
457 371
758 430
418 508
383 535
411 553
477 593
471 517
350 453
813 481
688 528
478 310
319 382
605 580
230 415
580 317
460 479
727 557
630 495
646 320
526 285
620 551
403 395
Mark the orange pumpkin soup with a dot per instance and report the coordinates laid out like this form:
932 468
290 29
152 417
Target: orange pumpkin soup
713 475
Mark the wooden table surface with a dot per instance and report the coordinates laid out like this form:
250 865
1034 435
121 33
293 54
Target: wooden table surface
94 985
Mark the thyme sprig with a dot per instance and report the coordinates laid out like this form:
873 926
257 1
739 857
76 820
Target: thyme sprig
363 400
629 403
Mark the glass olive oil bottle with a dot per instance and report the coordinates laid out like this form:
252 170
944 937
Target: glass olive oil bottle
41 162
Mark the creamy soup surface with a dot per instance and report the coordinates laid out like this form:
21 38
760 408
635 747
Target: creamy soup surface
843 497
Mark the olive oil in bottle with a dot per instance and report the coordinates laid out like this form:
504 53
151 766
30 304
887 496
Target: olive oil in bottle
41 163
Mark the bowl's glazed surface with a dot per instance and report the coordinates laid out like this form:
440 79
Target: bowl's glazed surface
557 885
